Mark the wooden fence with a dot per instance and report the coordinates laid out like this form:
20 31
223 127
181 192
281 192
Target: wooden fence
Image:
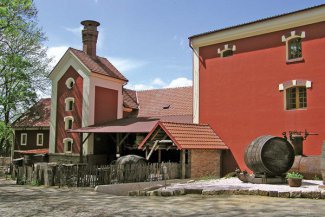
80 175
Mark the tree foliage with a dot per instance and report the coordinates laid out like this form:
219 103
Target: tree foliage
23 60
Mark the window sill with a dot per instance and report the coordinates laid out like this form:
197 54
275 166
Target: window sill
297 60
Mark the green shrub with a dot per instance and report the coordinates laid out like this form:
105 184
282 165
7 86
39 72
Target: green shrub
294 175
35 183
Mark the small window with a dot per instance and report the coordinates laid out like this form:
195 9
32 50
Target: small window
227 53
294 48
68 145
296 98
227 50
70 83
69 103
23 139
68 122
39 139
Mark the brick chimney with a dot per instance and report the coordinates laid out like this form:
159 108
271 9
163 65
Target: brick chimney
89 37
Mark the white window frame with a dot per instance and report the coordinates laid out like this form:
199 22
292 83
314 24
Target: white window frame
67 102
226 48
66 122
293 34
68 83
65 142
21 139
37 139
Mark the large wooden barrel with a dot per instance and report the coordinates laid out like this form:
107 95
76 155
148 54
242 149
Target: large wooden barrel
308 166
269 155
323 163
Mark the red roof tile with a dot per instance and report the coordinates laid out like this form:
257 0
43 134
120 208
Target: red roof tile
34 151
130 99
37 116
98 65
165 102
188 136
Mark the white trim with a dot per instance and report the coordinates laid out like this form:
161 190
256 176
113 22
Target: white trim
68 83
68 59
281 87
66 122
67 101
308 84
65 141
302 18
196 83
37 139
21 139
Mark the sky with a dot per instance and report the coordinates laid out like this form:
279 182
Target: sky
147 40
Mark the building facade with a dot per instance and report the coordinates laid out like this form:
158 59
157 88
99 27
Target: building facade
262 78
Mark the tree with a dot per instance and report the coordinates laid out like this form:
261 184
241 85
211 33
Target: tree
23 61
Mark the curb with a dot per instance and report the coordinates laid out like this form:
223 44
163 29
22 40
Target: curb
213 192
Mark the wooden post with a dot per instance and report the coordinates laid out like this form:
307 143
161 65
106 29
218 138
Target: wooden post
183 163
117 145
81 149
159 155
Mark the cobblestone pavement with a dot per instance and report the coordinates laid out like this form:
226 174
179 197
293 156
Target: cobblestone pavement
41 201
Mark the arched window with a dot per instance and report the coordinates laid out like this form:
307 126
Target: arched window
293 42
70 83
68 142
69 103
68 122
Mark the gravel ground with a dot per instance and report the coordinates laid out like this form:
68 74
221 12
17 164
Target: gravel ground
307 185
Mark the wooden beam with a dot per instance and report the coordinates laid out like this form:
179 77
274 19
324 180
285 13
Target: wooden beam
123 139
151 151
183 163
165 141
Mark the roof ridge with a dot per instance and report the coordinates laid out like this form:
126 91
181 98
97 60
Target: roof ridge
256 21
161 89
170 122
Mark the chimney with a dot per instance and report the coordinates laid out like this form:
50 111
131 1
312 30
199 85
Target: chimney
89 37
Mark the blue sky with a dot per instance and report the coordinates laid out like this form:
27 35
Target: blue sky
147 40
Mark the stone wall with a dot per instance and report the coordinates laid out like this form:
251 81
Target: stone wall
205 163
74 159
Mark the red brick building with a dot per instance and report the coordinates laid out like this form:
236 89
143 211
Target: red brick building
262 78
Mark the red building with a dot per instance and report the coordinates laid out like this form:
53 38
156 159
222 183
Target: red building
262 78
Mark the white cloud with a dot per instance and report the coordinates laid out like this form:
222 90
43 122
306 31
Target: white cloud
179 82
158 83
126 64
75 31
56 53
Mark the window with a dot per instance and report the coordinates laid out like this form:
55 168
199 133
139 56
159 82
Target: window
68 122
39 139
294 48
23 139
69 103
296 98
227 51
68 145
293 42
70 83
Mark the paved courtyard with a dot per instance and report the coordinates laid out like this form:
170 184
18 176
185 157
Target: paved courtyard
41 201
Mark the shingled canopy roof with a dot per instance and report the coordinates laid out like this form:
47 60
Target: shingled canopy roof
183 136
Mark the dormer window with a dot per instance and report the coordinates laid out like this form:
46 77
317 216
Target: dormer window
68 142
293 42
70 83
68 122
69 103
227 51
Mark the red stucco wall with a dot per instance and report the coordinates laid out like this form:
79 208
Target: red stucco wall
62 93
239 95
105 104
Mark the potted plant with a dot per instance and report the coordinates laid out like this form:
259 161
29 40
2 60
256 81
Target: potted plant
294 179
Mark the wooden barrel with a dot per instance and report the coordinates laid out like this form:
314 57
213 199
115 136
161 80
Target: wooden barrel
323 162
269 155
